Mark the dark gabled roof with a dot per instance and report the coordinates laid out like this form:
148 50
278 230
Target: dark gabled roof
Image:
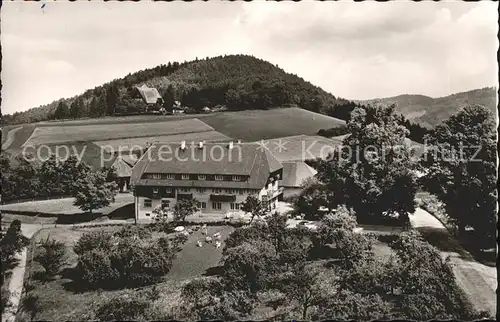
246 159
294 174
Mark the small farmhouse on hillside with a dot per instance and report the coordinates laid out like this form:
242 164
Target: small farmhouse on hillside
294 174
150 96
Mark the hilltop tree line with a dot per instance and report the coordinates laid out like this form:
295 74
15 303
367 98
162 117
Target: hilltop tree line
238 82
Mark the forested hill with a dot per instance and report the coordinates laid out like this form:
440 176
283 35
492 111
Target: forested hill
429 111
235 81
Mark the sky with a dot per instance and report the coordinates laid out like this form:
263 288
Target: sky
353 50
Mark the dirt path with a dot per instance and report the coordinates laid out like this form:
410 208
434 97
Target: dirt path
17 278
478 281
10 138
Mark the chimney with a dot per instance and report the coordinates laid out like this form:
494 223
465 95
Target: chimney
231 145
183 145
200 145
239 141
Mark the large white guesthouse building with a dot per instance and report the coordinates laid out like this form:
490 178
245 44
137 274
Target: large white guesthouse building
218 175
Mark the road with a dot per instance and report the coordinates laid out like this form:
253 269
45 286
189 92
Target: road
478 281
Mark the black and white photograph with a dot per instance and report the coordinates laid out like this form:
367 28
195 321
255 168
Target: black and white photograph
261 160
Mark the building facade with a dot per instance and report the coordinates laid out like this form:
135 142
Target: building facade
219 176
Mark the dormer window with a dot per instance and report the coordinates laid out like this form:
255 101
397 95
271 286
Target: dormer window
170 176
202 177
169 190
219 177
155 190
156 176
185 177
236 178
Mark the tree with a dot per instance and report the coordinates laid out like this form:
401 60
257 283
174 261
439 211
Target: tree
313 196
461 171
336 235
184 208
248 266
211 298
93 192
373 172
112 96
12 242
169 98
62 111
253 206
51 255
301 284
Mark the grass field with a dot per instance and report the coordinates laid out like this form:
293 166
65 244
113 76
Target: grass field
302 147
59 300
64 206
130 143
256 125
96 132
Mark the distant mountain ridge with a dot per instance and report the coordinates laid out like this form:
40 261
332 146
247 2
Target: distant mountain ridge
429 111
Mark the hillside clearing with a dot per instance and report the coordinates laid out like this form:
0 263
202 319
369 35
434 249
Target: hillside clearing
60 134
254 125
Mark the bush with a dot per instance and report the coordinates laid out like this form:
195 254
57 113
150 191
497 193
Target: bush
125 308
133 230
130 262
95 240
94 268
51 256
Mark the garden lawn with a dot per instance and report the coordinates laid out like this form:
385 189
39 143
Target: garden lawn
60 300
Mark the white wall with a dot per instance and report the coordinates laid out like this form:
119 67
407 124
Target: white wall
141 211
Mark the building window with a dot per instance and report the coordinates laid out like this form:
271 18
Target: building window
203 205
148 214
200 190
236 178
170 176
185 189
219 177
165 203
147 203
235 206
185 177
216 205
169 190
202 177
216 190
156 176
155 190
241 191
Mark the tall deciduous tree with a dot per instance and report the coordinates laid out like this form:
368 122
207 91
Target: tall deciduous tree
462 173
93 192
253 206
373 172
184 208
